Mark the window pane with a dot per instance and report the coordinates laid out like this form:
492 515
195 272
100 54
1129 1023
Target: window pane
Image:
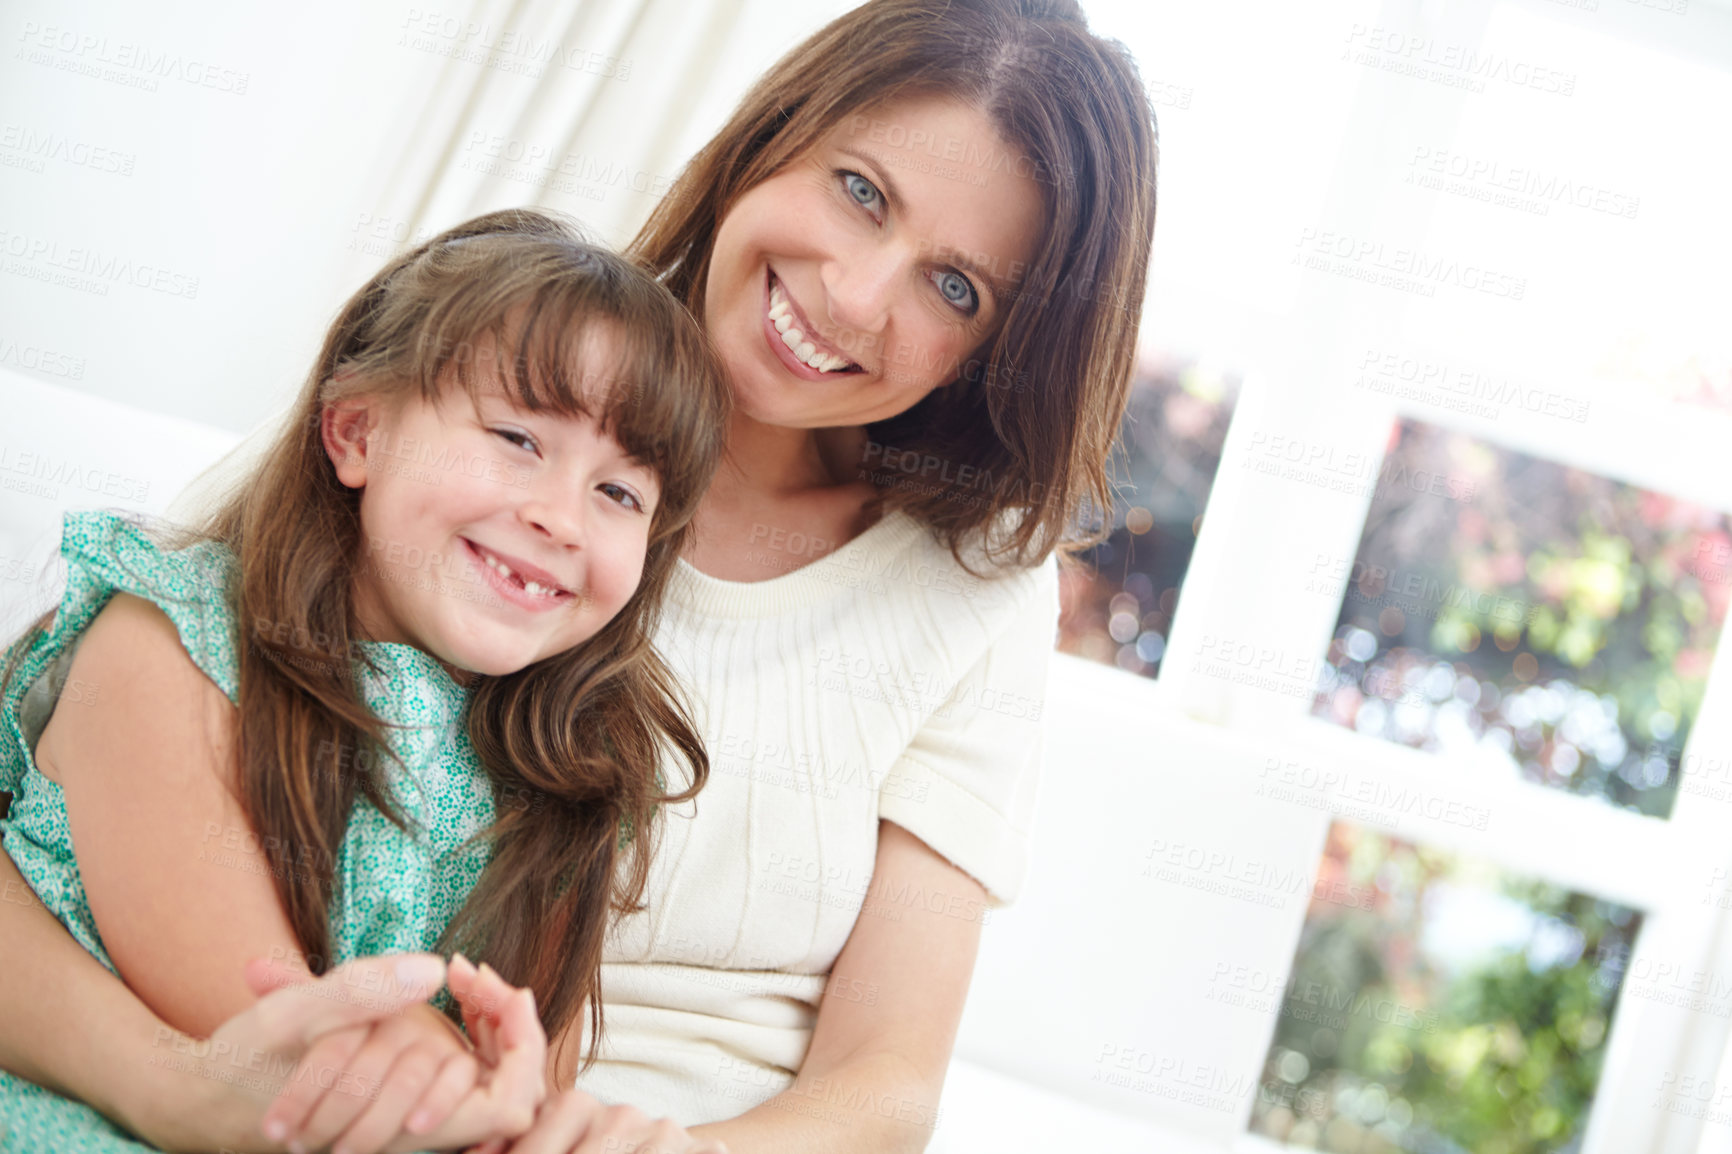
1119 605
1439 1003
1527 615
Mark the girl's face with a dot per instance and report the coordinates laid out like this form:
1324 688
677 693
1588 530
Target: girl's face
848 286
492 539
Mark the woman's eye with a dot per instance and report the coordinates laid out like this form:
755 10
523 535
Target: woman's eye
515 436
863 192
956 290
623 495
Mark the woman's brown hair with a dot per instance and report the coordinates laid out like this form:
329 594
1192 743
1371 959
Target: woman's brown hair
573 744
1032 416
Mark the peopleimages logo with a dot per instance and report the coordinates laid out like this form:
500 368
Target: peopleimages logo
1461 388
41 475
39 147
43 258
1407 269
517 50
1527 188
1340 790
121 61
40 359
968 152
1455 65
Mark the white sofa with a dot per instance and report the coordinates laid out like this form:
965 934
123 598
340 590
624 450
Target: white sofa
1096 1019
60 449
1019 1081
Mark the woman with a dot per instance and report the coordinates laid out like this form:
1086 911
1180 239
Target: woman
920 247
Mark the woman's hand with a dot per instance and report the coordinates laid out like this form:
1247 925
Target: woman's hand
362 1083
575 1123
211 1093
411 1082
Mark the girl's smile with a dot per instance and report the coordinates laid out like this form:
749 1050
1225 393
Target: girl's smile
515 535
530 586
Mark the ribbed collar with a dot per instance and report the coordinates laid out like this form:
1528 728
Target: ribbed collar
852 566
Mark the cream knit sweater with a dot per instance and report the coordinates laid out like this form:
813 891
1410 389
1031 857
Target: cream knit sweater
879 682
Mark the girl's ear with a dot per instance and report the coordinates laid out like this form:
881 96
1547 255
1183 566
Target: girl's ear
346 426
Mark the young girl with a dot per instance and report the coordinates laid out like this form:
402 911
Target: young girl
401 683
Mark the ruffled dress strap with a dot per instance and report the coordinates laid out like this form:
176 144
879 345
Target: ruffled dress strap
105 553
108 553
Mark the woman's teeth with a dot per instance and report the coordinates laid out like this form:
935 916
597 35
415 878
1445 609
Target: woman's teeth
509 574
782 316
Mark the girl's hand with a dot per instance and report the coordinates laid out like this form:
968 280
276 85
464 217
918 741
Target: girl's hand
575 1123
506 1030
412 1082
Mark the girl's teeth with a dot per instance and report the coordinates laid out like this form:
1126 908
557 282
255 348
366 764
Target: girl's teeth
793 339
505 570
805 351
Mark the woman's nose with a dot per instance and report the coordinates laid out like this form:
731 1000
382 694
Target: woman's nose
860 286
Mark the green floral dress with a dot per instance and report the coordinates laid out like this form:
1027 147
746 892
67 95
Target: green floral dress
395 889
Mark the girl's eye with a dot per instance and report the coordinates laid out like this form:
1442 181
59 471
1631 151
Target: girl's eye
623 495
956 290
863 192
516 435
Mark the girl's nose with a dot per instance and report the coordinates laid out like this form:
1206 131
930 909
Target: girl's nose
559 519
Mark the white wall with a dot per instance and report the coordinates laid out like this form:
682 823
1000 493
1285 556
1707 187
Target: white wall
211 222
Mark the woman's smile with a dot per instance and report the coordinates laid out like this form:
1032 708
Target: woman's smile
854 268
796 340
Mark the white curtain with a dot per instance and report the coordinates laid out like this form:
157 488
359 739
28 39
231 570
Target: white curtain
577 105
586 107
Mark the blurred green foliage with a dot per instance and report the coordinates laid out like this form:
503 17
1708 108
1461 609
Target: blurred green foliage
1439 1050
1560 594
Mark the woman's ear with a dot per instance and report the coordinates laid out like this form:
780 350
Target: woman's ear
346 427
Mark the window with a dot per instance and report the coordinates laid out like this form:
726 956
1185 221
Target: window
1456 621
1508 609
1439 1002
1119 605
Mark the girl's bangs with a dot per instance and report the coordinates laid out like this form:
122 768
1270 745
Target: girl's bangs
591 342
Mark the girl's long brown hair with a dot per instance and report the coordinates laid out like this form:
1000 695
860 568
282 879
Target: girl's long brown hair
1034 413
573 743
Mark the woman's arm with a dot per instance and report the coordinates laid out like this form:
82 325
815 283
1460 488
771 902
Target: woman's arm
69 1024
75 1028
182 896
886 1027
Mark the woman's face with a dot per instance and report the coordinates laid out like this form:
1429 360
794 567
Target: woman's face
866 273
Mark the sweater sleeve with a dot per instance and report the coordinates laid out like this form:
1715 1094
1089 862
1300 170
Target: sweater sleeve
966 783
